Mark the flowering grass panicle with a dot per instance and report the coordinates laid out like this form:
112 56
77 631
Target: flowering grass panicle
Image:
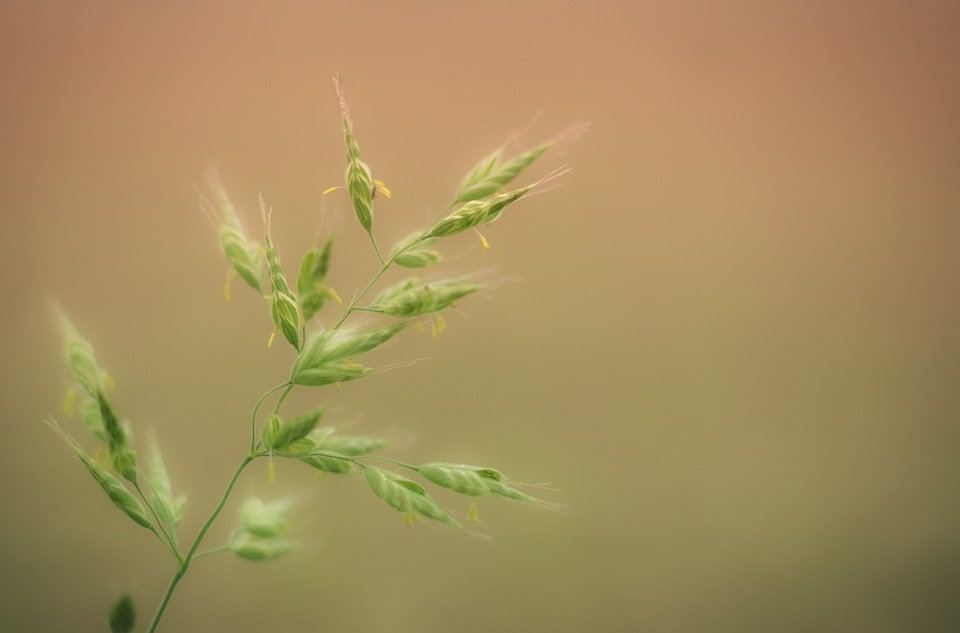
328 351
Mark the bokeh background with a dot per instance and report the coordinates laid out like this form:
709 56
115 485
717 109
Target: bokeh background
729 338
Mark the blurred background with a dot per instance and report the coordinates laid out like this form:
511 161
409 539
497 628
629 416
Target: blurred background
728 338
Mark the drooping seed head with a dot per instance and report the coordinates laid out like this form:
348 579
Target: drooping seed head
406 495
468 480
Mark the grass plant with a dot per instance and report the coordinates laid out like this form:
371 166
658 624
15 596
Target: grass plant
321 357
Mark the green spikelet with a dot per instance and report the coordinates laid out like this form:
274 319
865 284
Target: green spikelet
360 184
283 304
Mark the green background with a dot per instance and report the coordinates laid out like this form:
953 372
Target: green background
729 337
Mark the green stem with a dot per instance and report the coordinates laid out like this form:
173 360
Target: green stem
376 249
253 418
169 542
215 550
185 565
283 396
383 268
384 265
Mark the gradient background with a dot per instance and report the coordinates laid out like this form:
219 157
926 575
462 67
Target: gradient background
732 344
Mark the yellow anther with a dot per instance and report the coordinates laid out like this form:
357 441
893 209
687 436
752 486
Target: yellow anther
272 335
70 401
108 382
226 286
102 456
331 190
433 329
483 241
441 323
383 188
334 295
473 514
271 471
420 327
409 518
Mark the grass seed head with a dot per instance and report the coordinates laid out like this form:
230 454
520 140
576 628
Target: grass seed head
419 299
242 253
406 495
413 252
328 463
116 491
250 547
490 175
360 184
324 359
283 305
311 288
81 359
329 373
277 433
169 509
123 615
266 520
122 456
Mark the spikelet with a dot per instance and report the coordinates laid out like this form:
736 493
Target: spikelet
406 495
312 290
241 252
415 299
118 494
360 184
283 304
